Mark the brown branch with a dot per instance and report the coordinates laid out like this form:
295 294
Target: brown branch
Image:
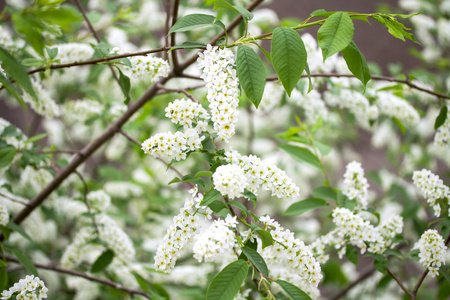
176 65
13 199
130 138
400 283
167 27
85 276
363 277
59 151
85 200
181 91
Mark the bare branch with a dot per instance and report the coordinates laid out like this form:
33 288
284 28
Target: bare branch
176 65
13 199
399 282
167 27
182 91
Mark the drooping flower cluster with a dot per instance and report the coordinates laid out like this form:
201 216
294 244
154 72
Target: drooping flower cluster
37 178
219 73
433 188
28 288
387 230
6 39
230 180
82 110
442 137
397 107
44 104
218 241
432 251
98 200
184 226
186 113
4 215
312 103
259 173
72 256
355 184
170 145
290 259
149 67
73 52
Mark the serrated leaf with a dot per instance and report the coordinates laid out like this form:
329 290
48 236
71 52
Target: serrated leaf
395 28
210 197
19 230
335 34
256 260
240 206
288 56
33 62
25 261
292 291
325 192
16 71
52 52
7 154
318 12
352 254
251 73
103 261
302 154
303 206
380 263
192 21
266 238
189 45
440 120
203 173
226 284
246 15
356 62
175 180
125 86
12 90
62 16
248 194
344 201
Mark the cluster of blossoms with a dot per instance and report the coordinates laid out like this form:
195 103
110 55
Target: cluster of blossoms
28 288
37 178
442 137
312 103
290 259
6 39
186 112
170 145
387 230
217 242
220 76
259 173
230 180
432 250
149 67
4 215
397 107
82 110
355 184
183 228
73 52
73 254
98 200
433 188
44 104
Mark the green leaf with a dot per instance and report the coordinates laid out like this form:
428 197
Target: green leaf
210 197
380 263
352 254
52 52
288 56
308 72
398 238
19 230
356 62
12 91
266 238
25 261
156 292
318 12
292 291
395 28
7 154
3 279
302 154
246 15
325 192
33 62
303 206
399 124
103 261
440 120
226 284
444 274
175 180
335 34
251 73
413 254
36 138
344 201
191 22
203 173
64 15
189 45
256 260
30 26
250 196
125 85
16 71
240 206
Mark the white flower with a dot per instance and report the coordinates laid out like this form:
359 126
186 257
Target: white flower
4 215
186 112
44 104
149 67
433 188
82 110
230 180
432 251
394 106
355 184
29 287
442 137
73 52
99 200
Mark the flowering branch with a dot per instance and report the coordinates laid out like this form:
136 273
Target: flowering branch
86 276
182 91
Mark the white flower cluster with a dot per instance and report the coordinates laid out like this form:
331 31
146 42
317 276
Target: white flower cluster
442 137
230 180
186 112
397 107
433 188
4 215
2 71
355 184
37 178
149 67
6 39
290 259
170 145
84 289
44 105
242 295
217 242
73 254
220 76
28 288
387 230
273 93
184 226
116 239
82 110
260 173
312 104
74 52
98 200
432 251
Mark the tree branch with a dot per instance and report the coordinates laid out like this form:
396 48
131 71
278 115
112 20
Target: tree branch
400 283
13 199
176 65
85 276
363 277
181 91
167 27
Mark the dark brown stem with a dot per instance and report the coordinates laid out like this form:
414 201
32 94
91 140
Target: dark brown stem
176 65
13 199
167 27
181 91
85 276
400 283
58 151
129 137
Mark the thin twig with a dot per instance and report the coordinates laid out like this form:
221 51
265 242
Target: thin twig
129 137
85 200
176 65
400 283
181 91
86 276
14 199
363 277
58 151
167 27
